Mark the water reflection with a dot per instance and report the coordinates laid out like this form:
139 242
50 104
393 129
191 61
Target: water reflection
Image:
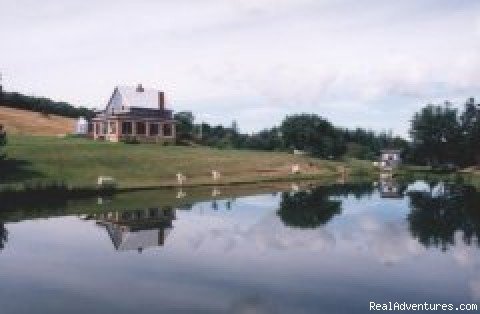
263 252
438 214
3 236
137 229
391 188
314 206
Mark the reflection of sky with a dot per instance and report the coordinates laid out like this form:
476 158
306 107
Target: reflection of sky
237 260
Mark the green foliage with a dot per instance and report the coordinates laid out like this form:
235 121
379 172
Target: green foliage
366 144
308 132
185 126
443 136
313 134
43 105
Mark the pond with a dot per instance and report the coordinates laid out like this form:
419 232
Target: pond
294 249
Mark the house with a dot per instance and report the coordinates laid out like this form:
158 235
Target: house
135 113
137 229
390 159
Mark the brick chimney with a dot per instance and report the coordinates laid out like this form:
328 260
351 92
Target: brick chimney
161 101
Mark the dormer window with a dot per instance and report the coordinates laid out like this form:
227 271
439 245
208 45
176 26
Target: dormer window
140 88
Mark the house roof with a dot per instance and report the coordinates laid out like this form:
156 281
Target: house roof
139 96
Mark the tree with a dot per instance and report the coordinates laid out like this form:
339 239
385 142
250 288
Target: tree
185 126
436 134
313 134
470 124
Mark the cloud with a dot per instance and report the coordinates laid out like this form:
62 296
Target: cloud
377 60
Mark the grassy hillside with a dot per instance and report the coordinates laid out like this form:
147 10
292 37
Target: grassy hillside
80 161
26 122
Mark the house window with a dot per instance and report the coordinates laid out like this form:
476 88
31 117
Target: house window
104 128
97 128
141 128
113 127
126 128
167 130
90 127
153 129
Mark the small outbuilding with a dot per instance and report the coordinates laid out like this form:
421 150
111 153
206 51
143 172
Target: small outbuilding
81 126
390 159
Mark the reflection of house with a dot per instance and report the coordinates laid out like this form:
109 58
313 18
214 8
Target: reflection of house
137 229
389 188
390 158
135 113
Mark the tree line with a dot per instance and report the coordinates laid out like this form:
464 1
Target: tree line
309 133
43 105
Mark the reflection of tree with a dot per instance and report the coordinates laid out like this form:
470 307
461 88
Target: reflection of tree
3 236
434 219
314 207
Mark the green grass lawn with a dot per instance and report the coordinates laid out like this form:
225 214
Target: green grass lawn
79 162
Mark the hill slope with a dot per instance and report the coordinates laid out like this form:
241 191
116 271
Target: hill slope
17 121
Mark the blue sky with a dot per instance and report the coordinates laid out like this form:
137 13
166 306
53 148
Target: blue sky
359 63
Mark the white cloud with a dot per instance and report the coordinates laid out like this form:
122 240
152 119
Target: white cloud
377 60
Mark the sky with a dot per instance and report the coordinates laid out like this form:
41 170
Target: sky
367 63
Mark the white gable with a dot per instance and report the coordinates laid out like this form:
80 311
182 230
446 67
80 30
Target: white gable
130 97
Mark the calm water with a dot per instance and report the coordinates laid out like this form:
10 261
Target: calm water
330 249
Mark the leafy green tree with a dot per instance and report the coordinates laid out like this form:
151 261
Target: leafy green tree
436 134
313 134
470 123
185 126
